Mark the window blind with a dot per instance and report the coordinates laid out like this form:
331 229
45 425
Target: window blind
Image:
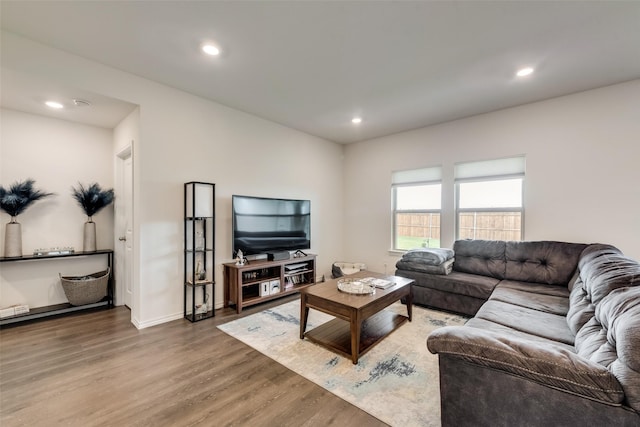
424 175
510 166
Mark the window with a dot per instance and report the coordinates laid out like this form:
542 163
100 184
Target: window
489 199
416 208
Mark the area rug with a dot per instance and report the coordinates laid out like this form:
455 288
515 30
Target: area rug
396 381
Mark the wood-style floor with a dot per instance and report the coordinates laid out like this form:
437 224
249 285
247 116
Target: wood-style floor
97 369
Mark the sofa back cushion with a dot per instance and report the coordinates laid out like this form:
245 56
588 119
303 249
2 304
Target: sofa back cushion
612 338
551 263
602 268
483 257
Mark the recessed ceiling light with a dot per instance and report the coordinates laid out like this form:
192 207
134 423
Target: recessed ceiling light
524 72
54 104
356 120
210 49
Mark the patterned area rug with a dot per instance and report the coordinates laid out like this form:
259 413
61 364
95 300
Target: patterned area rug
396 381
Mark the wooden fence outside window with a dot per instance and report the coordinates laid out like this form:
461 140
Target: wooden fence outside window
423 229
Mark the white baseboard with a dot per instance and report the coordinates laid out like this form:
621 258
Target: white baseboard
165 319
157 321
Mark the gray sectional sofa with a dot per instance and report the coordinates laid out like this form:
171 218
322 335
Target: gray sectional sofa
555 337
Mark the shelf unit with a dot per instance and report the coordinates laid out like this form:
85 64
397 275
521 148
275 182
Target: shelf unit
64 308
263 280
199 239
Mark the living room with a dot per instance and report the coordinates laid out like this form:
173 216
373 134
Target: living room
580 151
581 154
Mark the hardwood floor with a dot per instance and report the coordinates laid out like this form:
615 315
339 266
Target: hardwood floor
97 369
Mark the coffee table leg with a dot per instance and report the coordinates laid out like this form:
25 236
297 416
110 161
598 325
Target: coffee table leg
410 302
304 314
356 327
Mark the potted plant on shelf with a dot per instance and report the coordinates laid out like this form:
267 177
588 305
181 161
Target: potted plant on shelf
14 201
92 199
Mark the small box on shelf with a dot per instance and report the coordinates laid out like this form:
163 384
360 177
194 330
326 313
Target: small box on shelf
275 287
265 288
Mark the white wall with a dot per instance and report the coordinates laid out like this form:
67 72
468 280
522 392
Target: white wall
182 138
202 141
57 154
582 174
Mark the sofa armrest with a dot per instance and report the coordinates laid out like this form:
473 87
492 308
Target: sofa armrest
545 364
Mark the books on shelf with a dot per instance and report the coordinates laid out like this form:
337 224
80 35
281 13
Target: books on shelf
294 280
378 283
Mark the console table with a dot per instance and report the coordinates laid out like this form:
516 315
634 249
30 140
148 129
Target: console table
56 309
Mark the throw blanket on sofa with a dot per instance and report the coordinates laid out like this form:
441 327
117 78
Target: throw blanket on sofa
429 256
416 265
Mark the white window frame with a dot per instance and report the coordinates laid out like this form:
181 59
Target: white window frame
487 171
409 178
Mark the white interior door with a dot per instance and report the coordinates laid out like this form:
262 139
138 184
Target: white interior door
124 230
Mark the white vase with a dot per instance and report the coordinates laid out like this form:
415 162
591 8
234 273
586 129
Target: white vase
89 242
13 239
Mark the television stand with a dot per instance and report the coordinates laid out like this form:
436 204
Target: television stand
264 280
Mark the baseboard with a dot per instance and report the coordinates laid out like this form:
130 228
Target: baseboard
164 319
157 321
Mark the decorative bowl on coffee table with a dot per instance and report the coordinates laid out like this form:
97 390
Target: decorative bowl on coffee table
355 286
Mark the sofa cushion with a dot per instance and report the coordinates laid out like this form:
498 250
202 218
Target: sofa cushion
553 263
612 339
487 325
459 283
547 325
603 271
546 298
483 257
603 268
535 288
581 310
543 363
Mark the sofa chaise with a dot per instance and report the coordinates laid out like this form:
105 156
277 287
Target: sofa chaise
555 337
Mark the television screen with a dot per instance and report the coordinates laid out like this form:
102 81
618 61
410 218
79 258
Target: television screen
262 225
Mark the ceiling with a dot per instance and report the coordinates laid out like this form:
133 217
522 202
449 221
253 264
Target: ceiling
314 65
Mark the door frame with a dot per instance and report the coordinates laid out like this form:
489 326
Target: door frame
119 248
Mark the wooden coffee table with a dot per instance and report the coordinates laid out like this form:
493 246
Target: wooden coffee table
367 323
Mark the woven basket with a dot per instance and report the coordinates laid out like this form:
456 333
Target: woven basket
81 290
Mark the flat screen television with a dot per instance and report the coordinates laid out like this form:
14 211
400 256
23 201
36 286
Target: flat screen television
262 224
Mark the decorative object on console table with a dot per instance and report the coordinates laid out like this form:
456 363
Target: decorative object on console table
199 239
15 200
92 199
54 251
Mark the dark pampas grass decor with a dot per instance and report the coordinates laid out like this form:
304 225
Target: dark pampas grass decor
92 198
14 201
19 196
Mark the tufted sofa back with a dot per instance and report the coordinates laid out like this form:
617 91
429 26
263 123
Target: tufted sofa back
551 263
483 257
604 313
